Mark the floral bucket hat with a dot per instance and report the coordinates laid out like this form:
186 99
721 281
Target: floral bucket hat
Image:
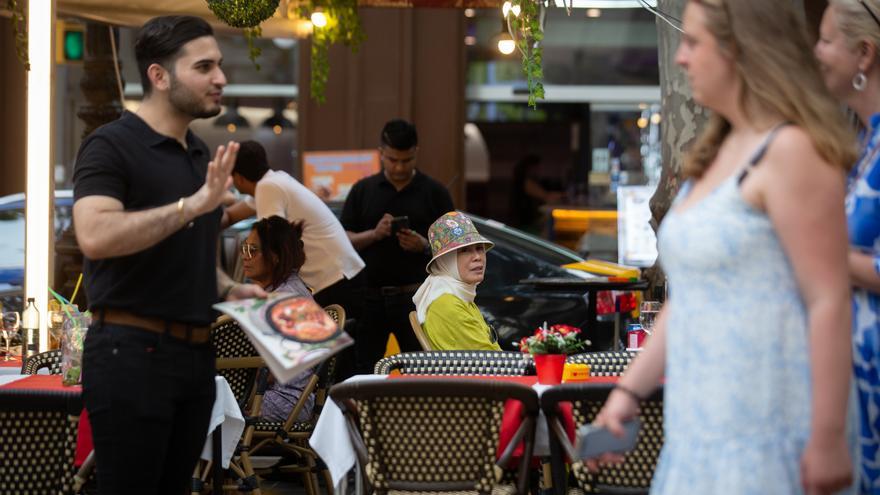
453 231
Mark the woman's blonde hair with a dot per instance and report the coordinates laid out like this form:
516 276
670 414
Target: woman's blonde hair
855 22
779 75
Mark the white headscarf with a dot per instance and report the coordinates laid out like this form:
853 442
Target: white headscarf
444 279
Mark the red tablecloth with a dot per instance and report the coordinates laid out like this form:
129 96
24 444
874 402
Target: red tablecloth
14 362
53 382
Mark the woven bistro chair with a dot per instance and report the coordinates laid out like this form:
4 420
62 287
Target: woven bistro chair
419 331
291 437
605 363
38 440
436 435
497 363
633 475
48 359
239 363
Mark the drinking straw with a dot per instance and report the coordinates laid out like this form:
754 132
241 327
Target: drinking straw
64 302
76 289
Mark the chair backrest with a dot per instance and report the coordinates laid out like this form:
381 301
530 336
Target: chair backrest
237 359
420 333
605 363
337 313
427 435
635 473
499 363
48 359
38 440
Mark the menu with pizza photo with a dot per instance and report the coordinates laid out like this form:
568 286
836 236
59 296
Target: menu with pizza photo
291 333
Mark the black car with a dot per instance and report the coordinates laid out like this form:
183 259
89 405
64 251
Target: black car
516 308
513 307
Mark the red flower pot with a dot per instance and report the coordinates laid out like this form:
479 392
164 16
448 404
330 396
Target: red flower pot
549 368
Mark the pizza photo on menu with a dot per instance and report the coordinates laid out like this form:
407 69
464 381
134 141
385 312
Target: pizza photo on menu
301 319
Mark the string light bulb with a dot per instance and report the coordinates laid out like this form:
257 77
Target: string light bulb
506 45
319 19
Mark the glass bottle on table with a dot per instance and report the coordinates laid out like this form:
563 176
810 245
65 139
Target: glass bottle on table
647 314
11 322
30 326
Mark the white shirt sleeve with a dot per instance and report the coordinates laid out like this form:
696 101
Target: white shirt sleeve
270 200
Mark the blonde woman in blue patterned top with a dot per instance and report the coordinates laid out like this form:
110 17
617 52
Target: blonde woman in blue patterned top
754 340
849 54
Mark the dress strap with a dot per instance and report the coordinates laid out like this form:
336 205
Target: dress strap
760 152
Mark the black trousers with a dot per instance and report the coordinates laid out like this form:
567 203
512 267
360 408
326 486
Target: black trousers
382 316
348 294
149 399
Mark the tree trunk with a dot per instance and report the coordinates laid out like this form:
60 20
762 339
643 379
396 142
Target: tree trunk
682 121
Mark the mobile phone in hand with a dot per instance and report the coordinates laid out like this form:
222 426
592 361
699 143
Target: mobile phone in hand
398 223
593 441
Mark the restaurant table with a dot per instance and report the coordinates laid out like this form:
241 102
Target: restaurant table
590 287
332 443
227 422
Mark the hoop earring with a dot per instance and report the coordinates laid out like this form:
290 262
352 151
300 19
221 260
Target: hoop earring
860 81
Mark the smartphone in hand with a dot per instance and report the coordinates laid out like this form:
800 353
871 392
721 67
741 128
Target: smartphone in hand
398 223
593 441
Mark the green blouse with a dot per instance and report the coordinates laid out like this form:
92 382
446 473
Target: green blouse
454 325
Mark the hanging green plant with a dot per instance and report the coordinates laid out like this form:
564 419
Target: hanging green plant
19 29
342 25
528 32
243 13
251 35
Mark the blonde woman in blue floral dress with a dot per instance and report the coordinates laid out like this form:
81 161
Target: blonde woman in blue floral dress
848 50
754 340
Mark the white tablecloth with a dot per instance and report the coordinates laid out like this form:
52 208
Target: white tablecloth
333 444
226 414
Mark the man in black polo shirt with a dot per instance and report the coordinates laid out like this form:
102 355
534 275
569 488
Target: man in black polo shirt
395 260
147 219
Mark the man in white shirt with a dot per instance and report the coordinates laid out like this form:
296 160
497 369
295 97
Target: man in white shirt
331 260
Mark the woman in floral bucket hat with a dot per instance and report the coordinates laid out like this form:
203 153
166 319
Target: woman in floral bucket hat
445 301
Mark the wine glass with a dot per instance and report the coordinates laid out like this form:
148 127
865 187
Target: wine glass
647 314
11 324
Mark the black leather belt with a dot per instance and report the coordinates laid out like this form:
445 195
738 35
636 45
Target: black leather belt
393 290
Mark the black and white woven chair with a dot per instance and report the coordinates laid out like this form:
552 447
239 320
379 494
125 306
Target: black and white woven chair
633 476
436 435
38 440
48 359
291 437
239 363
605 363
461 363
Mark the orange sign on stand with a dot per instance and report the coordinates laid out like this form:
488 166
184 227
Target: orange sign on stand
330 174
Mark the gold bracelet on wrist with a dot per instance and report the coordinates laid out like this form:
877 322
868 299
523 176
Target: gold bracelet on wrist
181 213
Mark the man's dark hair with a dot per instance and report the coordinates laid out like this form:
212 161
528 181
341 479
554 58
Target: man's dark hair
159 42
399 134
251 162
282 248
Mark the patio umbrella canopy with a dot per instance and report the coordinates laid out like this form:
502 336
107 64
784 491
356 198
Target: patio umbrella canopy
136 12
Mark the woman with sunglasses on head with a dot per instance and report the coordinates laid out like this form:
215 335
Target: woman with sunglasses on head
753 342
445 301
848 51
271 256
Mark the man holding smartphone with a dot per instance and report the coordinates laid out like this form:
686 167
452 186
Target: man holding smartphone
387 216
